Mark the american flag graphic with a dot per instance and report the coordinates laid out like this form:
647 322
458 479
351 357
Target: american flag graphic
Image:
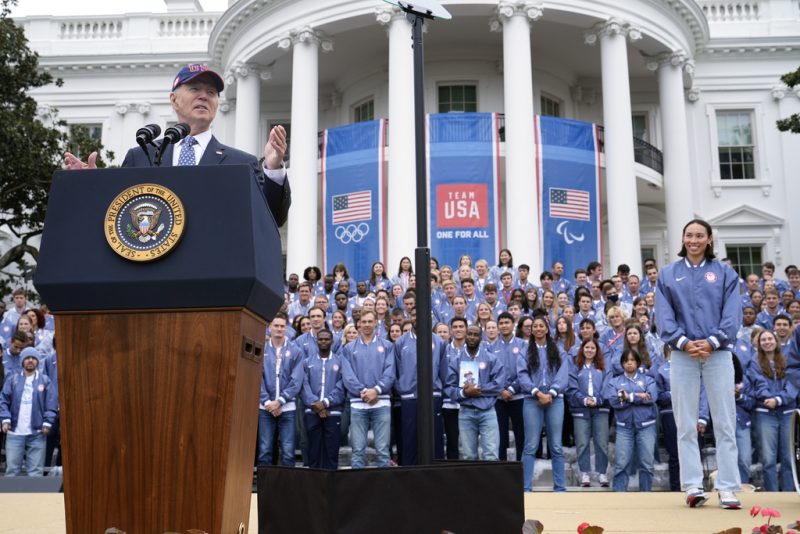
352 207
569 204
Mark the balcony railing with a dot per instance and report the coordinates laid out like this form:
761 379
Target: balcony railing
643 152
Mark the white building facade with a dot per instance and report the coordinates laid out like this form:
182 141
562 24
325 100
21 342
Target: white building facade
687 91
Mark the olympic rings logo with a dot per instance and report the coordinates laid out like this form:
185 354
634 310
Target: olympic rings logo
351 233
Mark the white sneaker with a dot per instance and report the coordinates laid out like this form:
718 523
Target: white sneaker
603 479
585 480
728 500
696 497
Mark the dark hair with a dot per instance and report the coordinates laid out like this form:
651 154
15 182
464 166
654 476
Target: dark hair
518 331
40 320
505 315
553 356
630 352
342 267
778 358
400 268
781 316
709 252
458 320
510 258
623 268
641 349
21 291
372 279
579 293
599 361
569 339
593 265
591 322
315 270
19 335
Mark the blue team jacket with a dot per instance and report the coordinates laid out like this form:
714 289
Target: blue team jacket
368 365
490 377
405 354
701 302
508 353
633 412
578 390
45 401
332 395
552 381
291 374
773 388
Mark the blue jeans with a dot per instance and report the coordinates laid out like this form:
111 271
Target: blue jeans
642 440
594 427
717 374
773 431
475 424
31 447
267 426
360 421
536 417
744 444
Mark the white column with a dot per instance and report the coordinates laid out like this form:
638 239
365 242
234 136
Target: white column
522 202
677 172
622 203
248 109
303 229
401 223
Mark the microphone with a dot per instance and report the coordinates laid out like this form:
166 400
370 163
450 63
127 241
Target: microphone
146 134
172 135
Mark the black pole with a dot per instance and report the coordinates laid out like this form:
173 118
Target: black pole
422 257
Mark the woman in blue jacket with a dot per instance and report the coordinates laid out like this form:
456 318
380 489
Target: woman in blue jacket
698 313
543 377
589 410
633 396
776 400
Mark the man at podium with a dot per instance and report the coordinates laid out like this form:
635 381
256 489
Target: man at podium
195 100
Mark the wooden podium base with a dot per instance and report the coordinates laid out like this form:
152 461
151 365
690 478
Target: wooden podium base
159 415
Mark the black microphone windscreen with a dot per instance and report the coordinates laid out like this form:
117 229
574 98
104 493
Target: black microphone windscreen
173 134
147 133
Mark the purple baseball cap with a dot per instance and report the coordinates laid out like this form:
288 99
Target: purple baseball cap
192 71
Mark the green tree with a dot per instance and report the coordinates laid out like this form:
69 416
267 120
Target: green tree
791 124
30 152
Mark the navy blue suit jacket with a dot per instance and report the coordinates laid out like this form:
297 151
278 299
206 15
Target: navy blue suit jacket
279 198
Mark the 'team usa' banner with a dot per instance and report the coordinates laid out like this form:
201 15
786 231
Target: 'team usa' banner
353 196
463 183
569 187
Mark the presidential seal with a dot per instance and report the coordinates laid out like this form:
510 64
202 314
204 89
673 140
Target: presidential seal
144 222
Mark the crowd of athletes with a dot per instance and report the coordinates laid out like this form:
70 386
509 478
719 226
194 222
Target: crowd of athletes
553 359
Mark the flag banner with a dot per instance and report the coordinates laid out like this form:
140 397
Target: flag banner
353 197
463 179
569 189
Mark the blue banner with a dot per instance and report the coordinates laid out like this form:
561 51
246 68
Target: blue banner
353 195
569 192
463 183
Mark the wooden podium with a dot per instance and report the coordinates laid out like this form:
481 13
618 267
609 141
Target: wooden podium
160 362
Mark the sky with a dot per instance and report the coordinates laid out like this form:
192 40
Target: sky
100 7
